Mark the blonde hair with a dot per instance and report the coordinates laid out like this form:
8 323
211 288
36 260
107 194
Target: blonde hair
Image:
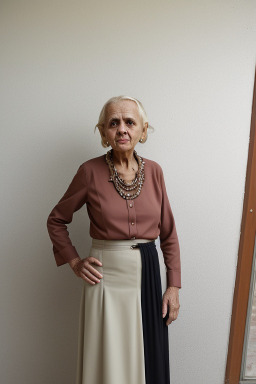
142 113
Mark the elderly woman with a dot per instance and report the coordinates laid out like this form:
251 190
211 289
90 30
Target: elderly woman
124 318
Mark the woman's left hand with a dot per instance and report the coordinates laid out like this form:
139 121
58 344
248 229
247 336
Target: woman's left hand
171 299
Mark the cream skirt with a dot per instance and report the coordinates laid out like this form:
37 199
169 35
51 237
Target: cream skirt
123 338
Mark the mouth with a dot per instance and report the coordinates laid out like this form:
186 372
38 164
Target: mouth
122 140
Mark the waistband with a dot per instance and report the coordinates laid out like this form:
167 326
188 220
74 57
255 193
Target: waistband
130 244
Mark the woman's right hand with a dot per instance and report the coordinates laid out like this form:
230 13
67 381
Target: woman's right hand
83 268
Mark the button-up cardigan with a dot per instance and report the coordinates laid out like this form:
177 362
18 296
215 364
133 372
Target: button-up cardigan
114 218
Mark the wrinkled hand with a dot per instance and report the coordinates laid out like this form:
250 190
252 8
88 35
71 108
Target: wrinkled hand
171 300
83 268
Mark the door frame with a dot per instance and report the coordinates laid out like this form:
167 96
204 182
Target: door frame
245 260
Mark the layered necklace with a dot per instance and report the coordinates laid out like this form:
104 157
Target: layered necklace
126 190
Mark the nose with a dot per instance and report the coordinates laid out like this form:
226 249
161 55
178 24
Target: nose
122 128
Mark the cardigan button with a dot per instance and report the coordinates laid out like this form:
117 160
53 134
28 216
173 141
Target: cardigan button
130 205
132 223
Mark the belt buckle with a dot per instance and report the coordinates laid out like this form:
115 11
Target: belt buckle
134 246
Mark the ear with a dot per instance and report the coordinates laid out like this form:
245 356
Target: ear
102 132
144 129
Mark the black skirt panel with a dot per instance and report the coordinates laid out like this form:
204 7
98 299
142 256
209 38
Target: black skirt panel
155 330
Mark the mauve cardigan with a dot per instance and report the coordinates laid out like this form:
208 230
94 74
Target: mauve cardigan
114 218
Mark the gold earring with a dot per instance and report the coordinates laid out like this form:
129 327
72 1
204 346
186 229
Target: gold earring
141 140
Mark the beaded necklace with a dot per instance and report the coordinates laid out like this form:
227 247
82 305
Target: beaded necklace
126 190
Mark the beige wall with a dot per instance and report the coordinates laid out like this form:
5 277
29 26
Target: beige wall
191 63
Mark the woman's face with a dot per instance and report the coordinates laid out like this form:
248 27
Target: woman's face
123 125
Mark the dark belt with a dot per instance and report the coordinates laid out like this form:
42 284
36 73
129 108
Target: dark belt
134 246
148 243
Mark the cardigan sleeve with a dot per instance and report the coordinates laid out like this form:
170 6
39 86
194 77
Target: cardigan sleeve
169 242
72 200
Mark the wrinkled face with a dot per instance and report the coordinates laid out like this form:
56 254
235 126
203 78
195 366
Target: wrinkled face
123 125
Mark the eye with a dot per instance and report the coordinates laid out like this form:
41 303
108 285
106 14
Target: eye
113 123
130 122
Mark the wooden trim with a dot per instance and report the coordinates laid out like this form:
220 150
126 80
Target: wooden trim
244 263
